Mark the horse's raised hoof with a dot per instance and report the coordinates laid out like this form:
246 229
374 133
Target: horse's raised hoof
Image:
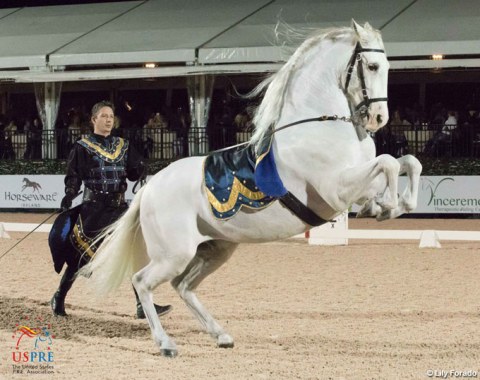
370 208
225 341
385 215
168 352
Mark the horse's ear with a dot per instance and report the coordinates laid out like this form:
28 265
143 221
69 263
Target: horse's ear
359 31
367 26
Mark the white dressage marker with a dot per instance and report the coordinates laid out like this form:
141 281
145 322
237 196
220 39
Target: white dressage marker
26 227
427 238
321 235
3 232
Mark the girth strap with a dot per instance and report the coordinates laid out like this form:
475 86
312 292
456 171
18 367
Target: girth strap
301 211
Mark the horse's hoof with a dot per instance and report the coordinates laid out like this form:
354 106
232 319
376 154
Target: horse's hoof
385 215
169 352
225 341
226 345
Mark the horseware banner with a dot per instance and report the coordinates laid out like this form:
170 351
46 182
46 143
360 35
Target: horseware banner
38 191
437 194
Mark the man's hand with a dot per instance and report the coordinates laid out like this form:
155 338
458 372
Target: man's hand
67 201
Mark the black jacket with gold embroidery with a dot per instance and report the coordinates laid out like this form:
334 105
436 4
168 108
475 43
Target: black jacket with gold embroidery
103 164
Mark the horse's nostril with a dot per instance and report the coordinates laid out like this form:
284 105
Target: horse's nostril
379 119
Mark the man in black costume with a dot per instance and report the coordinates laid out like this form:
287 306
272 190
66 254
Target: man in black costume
103 163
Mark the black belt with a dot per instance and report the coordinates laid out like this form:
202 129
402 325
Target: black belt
108 199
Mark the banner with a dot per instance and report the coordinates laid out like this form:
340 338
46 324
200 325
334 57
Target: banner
448 194
437 194
444 195
38 191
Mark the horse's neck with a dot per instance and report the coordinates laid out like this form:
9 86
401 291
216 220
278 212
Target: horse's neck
304 151
315 90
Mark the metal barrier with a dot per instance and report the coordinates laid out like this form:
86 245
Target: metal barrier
428 140
164 144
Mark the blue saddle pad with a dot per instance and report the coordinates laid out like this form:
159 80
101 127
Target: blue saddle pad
234 178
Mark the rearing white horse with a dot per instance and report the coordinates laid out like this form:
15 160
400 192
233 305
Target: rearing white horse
169 232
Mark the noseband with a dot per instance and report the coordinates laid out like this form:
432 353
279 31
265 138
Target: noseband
356 59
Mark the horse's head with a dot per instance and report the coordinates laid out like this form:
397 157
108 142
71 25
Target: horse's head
365 79
326 68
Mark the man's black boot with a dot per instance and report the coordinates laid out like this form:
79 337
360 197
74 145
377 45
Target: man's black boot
161 310
58 300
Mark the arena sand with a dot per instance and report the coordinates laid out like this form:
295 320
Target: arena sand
370 310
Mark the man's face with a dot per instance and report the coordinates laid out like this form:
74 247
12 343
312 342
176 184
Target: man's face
103 121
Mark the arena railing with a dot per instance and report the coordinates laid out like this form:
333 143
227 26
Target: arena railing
428 140
168 145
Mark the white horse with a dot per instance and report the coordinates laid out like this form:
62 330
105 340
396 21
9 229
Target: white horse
169 232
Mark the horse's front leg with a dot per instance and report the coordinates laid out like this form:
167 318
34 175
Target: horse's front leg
369 180
408 199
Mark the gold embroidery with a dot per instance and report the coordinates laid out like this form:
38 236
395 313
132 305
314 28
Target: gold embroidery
82 241
100 150
237 189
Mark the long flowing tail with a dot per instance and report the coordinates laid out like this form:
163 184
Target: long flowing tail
122 252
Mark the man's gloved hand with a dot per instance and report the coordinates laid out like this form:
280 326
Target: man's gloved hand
67 200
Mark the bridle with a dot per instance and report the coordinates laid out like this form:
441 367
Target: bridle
362 107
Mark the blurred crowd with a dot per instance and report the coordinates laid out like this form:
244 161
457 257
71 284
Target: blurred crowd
228 123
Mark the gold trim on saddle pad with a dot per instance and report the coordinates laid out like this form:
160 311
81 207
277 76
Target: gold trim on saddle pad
237 190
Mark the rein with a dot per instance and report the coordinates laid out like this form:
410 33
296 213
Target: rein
320 118
356 60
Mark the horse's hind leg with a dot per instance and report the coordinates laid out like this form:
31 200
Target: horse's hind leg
145 281
209 257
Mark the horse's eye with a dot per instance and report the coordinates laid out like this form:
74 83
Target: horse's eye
373 66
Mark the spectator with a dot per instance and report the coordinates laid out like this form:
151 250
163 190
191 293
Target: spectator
441 140
9 131
61 128
398 126
159 121
149 133
469 131
450 124
74 129
181 125
241 121
34 141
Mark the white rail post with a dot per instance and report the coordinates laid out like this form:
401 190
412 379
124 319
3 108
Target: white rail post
320 235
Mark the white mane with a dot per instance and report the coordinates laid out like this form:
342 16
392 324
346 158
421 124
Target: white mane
269 110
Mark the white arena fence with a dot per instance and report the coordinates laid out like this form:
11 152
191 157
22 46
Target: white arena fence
331 233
